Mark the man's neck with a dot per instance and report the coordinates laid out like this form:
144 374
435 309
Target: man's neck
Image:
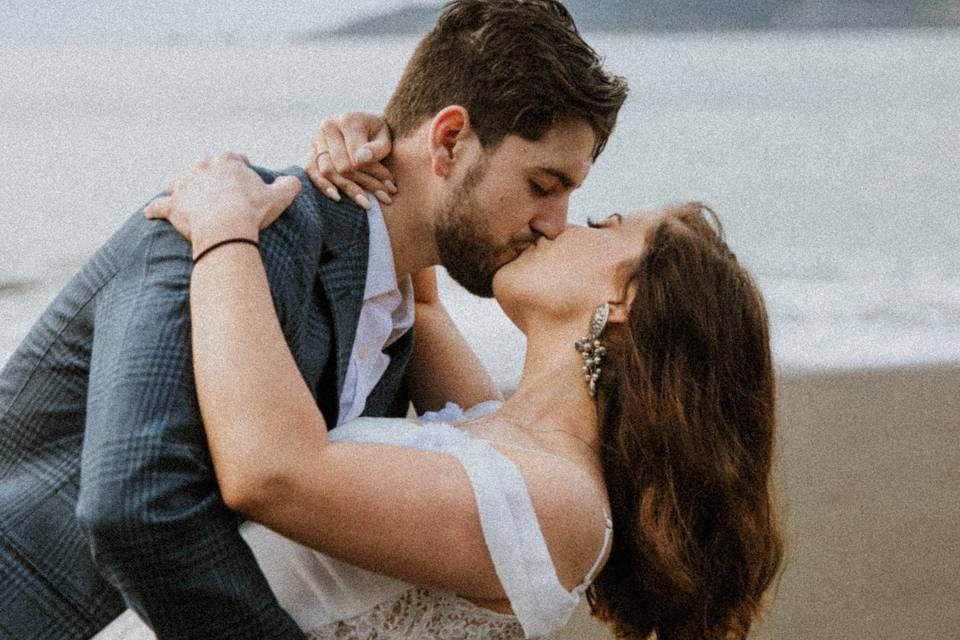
408 217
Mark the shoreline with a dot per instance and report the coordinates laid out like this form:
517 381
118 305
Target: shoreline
24 298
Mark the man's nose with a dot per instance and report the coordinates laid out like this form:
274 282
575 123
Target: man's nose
551 221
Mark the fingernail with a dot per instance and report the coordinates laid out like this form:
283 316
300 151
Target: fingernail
364 155
332 193
363 202
392 188
383 197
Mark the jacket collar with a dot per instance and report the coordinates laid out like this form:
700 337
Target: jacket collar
342 272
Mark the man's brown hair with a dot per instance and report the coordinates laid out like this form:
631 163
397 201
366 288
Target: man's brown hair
518 67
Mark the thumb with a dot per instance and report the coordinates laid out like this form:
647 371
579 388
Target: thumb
286 189
158 208
282 190
380 145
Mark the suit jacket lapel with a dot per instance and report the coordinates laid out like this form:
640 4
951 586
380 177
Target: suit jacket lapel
388 397
343 274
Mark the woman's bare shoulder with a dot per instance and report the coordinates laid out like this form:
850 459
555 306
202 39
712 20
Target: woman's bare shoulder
571 505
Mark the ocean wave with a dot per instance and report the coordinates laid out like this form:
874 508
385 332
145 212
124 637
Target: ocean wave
16 287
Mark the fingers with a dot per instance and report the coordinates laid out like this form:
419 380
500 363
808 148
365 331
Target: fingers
353 191
372 185
325 164
162 209
231 155
317 175
336 146
175 184
378 171
326 178
204 163
201 163
320 168
367 138
354 127
343 144
286 188
380 143
283 190
355 186
159 208
322 183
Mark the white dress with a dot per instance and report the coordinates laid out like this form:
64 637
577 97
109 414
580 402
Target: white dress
332 599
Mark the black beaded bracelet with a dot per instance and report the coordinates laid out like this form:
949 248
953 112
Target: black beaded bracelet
223 242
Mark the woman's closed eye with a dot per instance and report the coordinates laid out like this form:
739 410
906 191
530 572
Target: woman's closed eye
593 224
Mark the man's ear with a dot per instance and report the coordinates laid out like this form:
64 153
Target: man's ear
448 128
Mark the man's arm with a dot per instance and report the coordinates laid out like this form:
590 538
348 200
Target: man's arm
443 366
149 501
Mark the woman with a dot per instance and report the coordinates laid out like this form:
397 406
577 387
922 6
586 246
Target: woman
632 464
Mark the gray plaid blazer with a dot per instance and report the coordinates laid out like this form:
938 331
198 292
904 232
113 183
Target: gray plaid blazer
107 493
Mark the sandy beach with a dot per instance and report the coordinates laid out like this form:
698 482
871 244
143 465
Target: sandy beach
870 472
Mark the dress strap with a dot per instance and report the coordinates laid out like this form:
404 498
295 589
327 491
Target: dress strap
608 522
515 541
607 536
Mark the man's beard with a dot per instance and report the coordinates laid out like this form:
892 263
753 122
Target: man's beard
469 252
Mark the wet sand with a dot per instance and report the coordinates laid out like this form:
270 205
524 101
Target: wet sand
870 474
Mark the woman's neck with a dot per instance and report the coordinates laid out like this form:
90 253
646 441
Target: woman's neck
552 394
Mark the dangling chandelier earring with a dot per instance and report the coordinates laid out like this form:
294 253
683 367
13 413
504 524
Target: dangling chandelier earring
591 349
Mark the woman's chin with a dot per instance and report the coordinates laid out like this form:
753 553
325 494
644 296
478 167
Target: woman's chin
505 278
510 304
502 284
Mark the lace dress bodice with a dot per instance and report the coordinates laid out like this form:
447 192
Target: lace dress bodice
422 613
331 599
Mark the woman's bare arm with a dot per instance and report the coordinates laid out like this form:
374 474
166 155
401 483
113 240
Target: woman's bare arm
400 511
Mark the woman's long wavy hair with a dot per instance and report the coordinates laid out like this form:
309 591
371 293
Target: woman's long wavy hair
687 419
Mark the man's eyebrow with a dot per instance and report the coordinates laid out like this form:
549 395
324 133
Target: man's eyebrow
562 177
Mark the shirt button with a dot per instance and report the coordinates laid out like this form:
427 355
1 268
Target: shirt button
362 352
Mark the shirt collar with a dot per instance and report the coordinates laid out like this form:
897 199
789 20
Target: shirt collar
381 271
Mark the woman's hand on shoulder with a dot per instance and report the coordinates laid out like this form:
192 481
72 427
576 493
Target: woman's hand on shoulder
346 154
223 198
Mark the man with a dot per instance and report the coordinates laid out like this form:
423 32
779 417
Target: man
107 494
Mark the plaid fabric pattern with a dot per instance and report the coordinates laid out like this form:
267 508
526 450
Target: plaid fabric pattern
107 492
